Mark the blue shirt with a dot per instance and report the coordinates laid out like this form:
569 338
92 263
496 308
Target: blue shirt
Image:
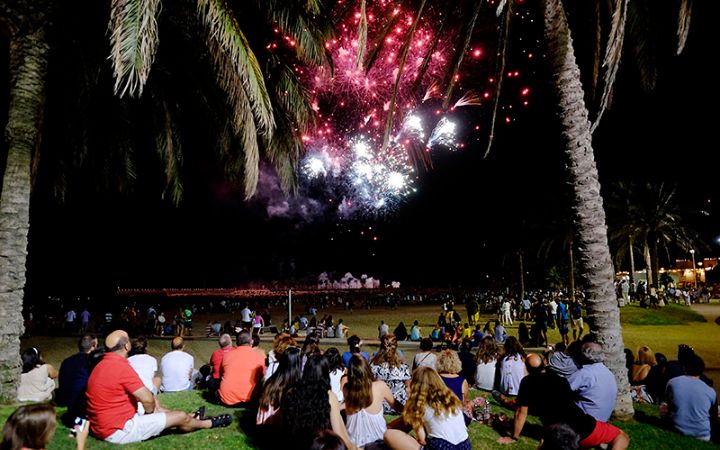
689 401
595 390
347 355
415 333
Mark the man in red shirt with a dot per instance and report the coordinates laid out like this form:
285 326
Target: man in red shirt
241 372
216 359
114 391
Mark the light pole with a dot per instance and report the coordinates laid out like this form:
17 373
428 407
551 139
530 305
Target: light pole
692 253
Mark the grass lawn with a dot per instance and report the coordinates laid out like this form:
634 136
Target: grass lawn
661 330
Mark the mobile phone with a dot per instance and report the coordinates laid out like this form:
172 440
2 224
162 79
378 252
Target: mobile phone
79 425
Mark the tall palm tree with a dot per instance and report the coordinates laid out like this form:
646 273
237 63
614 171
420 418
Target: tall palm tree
28 60
595 264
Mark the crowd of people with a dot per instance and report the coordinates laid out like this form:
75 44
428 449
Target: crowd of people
304 395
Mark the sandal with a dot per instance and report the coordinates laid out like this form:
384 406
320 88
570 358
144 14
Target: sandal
222 420
200 413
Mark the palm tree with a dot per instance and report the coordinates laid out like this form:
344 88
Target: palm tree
595 264
268 107
653 218
28 56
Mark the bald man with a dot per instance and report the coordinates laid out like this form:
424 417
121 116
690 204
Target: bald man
177 367
548 396
114 392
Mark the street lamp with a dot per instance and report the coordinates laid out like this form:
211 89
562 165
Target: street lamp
692 253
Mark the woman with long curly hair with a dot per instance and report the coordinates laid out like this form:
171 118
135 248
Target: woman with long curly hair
287 374
388 367
364 400
487 362
310 406
435 414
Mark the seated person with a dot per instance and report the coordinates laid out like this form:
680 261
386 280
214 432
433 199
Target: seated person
548 396
177 368
33 427
115 392
74 374
691 404
241 372
37 381
145 365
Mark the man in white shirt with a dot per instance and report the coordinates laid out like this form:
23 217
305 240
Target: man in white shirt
177 368
246 318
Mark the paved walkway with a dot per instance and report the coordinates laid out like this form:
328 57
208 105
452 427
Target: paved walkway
711 311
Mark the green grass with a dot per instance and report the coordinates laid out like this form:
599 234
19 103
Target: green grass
669 315
646 431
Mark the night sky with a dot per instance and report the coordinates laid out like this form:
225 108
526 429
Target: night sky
462 228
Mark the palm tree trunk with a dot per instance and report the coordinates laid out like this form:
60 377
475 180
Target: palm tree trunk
648 265
28 56
571 287
632 261
595 264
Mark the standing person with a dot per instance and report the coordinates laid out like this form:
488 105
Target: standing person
577 321
70 317
37 381
177 368
258 324
435 414
85 319
246 317
114 393
691 404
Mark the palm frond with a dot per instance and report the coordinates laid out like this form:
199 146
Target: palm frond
378 44
169 149
293 98
362 36
431 50
284 151
314 6
644 39
611 62
401 65
309 30
134 41
460 50
235 61
499 73
683 24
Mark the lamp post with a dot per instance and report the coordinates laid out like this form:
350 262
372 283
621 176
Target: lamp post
692 253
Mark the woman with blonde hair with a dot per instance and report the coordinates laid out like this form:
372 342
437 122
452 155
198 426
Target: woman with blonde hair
364 399
641 368
388 367
435 414
281 342
449 367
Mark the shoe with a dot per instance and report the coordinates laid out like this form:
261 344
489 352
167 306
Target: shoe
200 413
222 420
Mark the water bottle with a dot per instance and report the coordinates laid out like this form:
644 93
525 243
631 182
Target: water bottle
486 412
